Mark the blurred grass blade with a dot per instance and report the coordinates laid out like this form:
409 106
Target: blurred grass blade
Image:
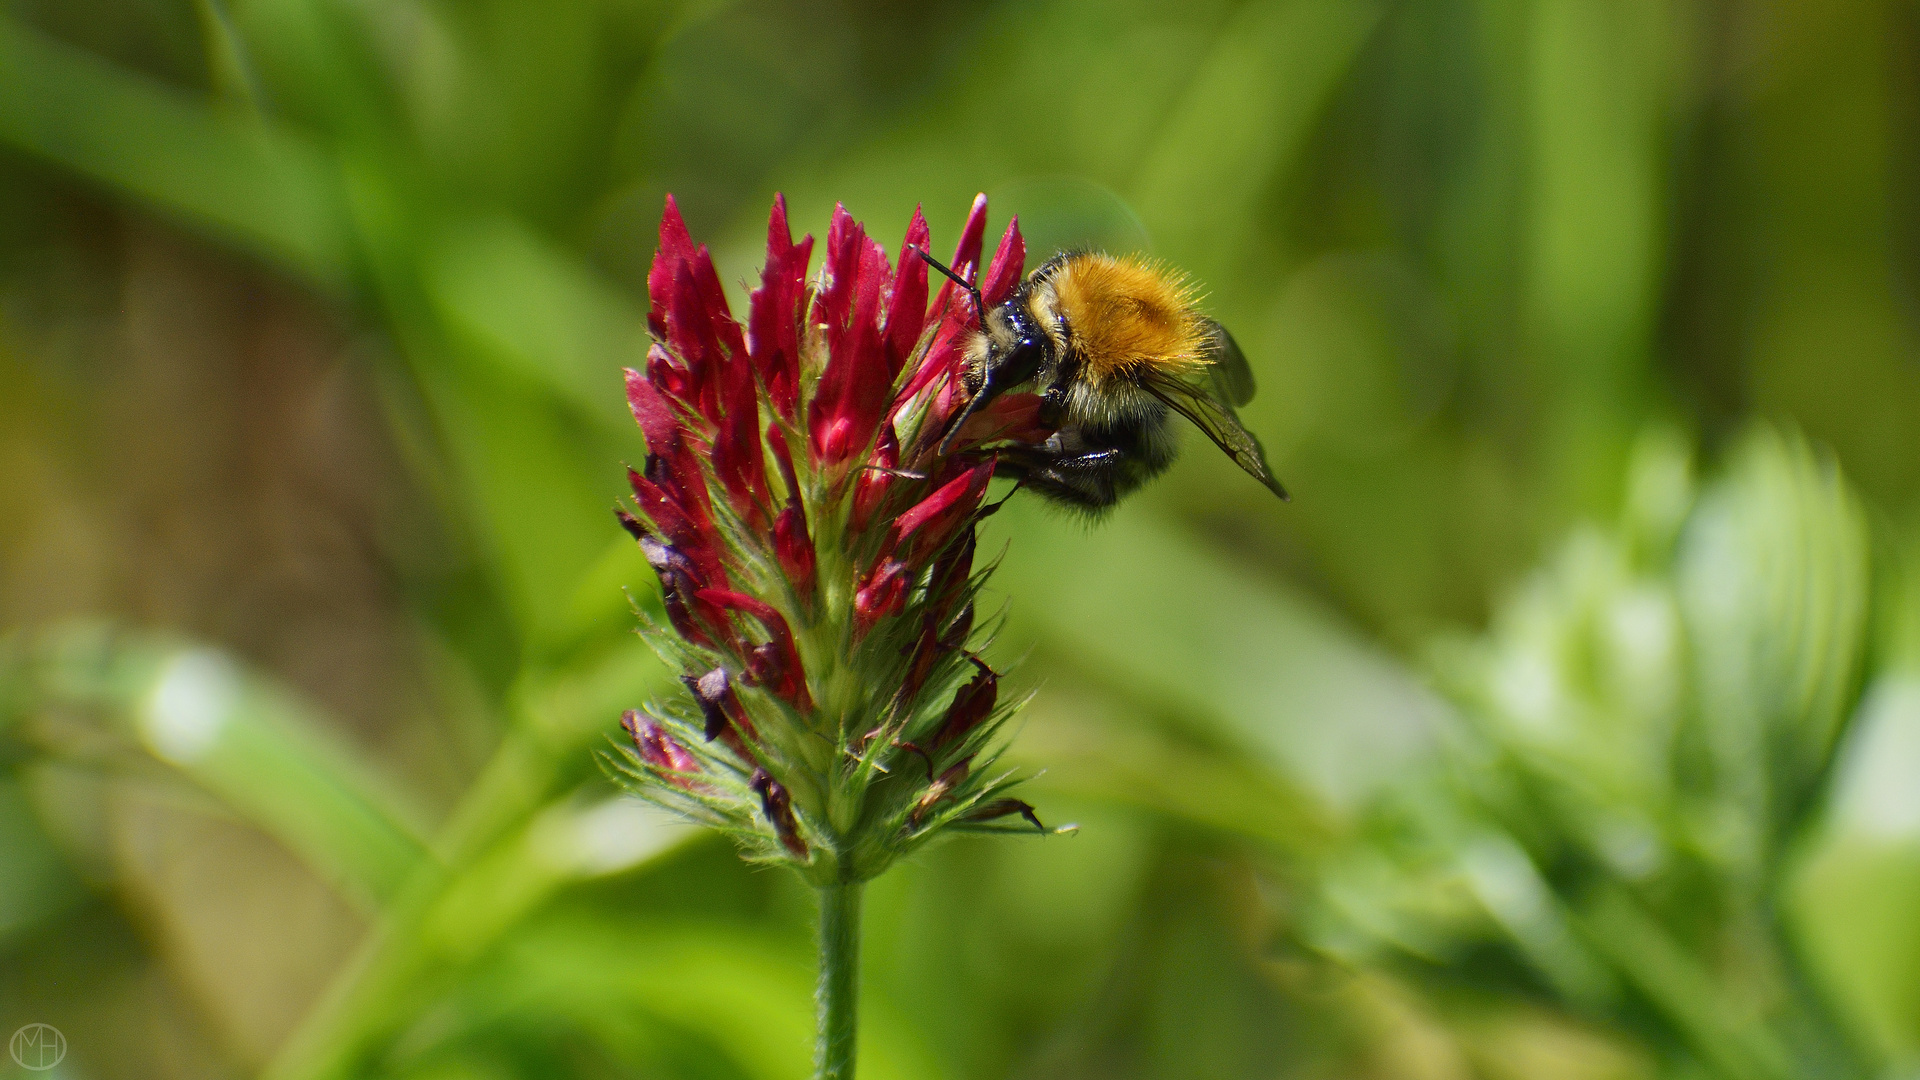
1854 895
229 65
1241 122
1507 883
1244 658
753 998
1772 579
539 311
1597 99
248 742
1741 1048
260 185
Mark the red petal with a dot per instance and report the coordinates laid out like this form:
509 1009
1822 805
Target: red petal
690 334
794 548
1011 416
792 541
966 257
907 306
941 511
738 460
688 535
844 240
776 309
957 321
856 387
668 375
783 456
882 593
689 311
777 663
950 573
872 484
682 484
676 247
714 300
657 420
1008 263
926 649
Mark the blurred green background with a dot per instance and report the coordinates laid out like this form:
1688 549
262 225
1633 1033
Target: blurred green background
1566 724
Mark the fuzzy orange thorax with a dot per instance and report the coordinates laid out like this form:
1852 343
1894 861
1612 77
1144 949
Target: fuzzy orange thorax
1126 313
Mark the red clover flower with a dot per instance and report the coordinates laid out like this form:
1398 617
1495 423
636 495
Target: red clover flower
815 545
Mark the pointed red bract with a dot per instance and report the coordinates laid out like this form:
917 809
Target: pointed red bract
1009 265
965 262
775 664
929 522
776 312
882 593
870 487
956 319
738 459
690 336
856 386
1012 417
907 304
676 247
794 548
792 540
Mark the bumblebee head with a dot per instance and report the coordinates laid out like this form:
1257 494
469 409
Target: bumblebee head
1011 351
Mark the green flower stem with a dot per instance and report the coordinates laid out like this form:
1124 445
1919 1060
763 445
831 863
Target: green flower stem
838 996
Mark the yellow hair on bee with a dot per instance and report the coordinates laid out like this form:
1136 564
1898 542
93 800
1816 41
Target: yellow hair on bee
1127 313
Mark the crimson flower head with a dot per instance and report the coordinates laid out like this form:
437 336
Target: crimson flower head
812 526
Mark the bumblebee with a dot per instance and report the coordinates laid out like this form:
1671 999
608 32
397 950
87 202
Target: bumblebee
1114 346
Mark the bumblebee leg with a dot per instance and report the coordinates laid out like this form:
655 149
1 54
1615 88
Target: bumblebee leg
1092 479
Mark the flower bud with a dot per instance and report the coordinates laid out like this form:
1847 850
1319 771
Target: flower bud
778 806
659 749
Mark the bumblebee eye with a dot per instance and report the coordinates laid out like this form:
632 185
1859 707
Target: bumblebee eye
1021 363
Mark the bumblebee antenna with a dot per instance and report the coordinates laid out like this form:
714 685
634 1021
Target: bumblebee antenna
979 309
953 426
980 313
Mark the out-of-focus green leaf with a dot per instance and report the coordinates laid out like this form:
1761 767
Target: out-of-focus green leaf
1165 620
1772 581
1240 122
539 311
1855 893
266 755
1642 729
1092 749
33 882
569 841
751 996
1597 89
1737 1045
260 184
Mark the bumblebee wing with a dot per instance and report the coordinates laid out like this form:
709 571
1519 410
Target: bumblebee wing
1227 372
1217 419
